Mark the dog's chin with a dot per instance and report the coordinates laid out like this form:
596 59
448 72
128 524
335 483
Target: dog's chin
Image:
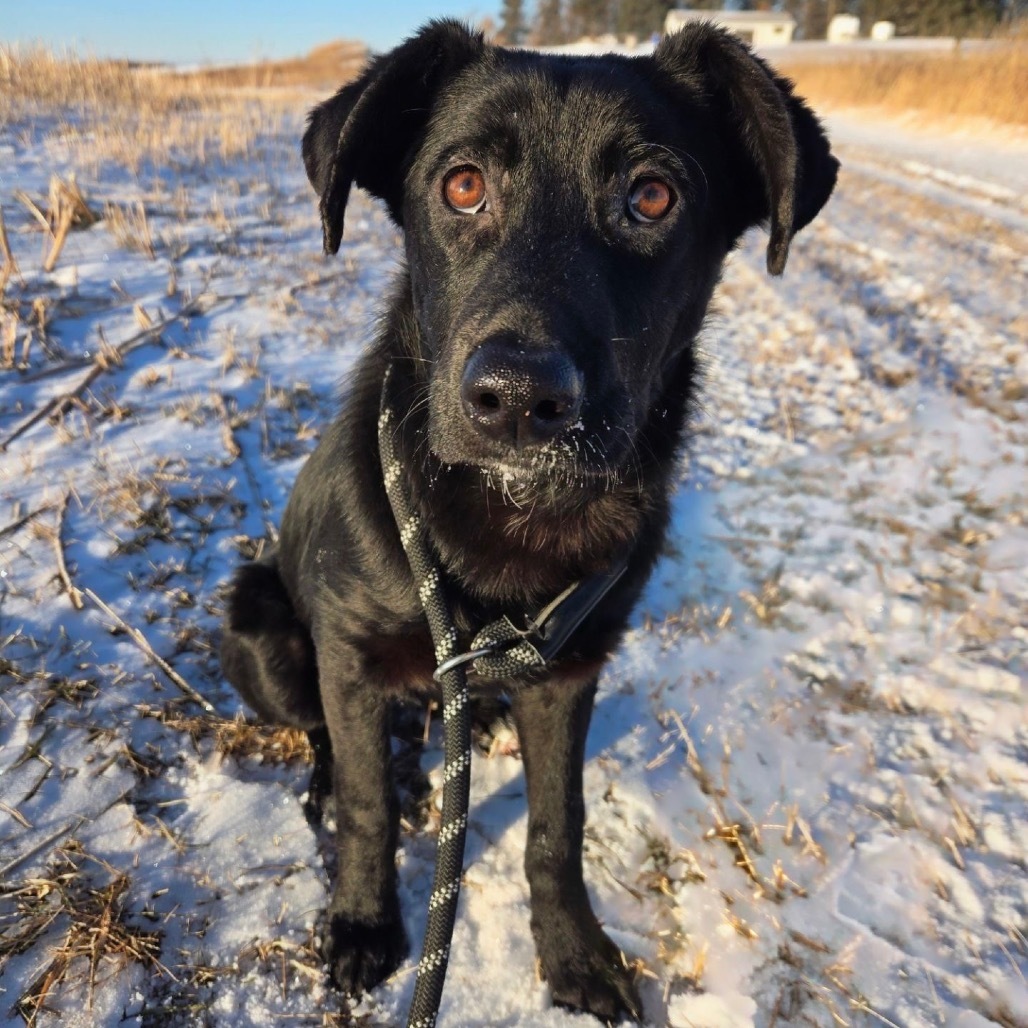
513 467
513 472
546 468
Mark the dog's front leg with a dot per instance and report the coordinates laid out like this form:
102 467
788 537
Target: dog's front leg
365 941
584 969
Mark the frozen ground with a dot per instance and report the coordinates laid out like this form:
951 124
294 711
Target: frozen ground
807 775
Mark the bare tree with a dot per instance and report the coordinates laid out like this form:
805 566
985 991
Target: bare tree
641 18
934 17
590 17
549 23
512 23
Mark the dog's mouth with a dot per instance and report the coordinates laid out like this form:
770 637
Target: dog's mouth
552 462
578 457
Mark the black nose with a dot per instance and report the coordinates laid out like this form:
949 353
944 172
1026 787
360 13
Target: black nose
518 394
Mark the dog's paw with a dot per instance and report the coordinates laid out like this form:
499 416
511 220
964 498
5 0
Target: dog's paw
598 982
360 956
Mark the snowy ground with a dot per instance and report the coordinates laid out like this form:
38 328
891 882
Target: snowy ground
807 774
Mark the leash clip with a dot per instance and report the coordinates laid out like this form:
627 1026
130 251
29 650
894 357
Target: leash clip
464 658
500 650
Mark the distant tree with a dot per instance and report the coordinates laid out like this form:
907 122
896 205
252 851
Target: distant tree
797 9
512 23
589 17
970 17
934 17
641 18
812 16
549 23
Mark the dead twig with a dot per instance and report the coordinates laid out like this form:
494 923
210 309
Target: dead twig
16 814
103 362
311 282
63 216
143 643
725 828
228 436
9 336
236 452
42 845
10 264
22 197
74 594
21 522
67 210
82 362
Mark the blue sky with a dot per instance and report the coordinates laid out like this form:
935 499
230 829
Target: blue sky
216 30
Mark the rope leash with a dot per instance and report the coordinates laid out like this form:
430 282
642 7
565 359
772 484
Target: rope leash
500 650
449 860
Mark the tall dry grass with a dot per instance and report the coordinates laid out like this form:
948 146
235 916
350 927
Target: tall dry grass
985 82
34 75
112 111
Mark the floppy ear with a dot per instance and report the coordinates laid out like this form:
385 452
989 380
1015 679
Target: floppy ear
364 134
789 169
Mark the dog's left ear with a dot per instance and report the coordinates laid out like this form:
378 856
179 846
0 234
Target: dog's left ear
365 133
789 169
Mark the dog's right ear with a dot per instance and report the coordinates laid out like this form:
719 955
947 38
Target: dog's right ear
365 133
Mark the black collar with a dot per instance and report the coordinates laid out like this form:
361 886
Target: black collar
503 650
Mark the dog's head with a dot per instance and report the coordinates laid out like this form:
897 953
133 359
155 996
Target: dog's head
566 220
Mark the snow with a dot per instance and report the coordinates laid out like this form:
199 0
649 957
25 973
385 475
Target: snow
806 777
974 161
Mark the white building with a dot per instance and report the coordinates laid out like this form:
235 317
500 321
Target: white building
758 28
844 28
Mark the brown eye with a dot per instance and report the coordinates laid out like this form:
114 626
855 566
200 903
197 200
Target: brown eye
464 190
650 199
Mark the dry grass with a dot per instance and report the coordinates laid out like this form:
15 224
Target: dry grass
54 80
37 76
990 82
237 737
86 925
131 227
140 115
112 111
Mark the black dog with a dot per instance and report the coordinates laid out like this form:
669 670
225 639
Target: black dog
566 220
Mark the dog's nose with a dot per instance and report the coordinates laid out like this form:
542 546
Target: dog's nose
518 394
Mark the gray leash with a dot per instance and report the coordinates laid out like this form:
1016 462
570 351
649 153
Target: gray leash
500 650
449 859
